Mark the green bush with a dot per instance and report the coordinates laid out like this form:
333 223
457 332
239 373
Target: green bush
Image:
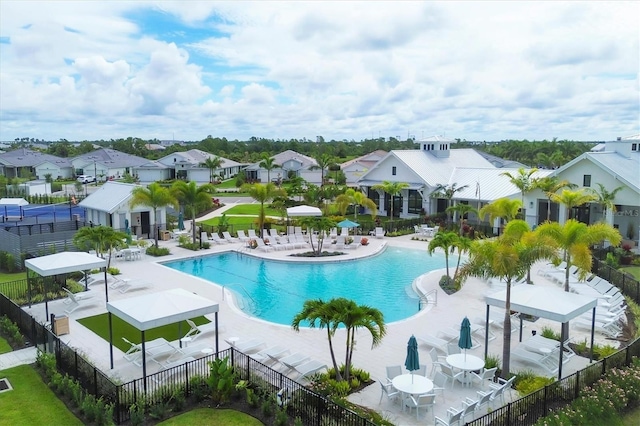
532 384
158 251
549 333
11 331
113 271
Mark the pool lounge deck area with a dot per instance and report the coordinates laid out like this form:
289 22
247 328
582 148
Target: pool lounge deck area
448 312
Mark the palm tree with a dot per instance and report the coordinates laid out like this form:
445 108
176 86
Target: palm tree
268 163
391 188
462 210
463 245
321 314
355 317
550 185
575 239
356 198
322 224
193 198
572 199
324 161
502 208
262 194
447 191
102 239
606 198
523 180
212 163
155 196
507 258
444 241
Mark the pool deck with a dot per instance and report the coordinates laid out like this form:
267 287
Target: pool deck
448 312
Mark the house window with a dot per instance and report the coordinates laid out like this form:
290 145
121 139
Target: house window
415 202
393 170
634 147
586 181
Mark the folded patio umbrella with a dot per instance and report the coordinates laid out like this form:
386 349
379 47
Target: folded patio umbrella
412 362
465 336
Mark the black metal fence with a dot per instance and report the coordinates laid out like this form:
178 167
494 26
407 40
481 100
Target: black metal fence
314 409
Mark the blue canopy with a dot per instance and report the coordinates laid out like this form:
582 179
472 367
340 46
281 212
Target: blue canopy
348 224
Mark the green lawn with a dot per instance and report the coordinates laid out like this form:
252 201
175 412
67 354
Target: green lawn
210 416
4 346
227 184
99 324
252 209
240 222
633 418
31 402
4 277
633 270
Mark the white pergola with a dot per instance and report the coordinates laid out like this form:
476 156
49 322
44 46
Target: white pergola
64 263
161 308
550 303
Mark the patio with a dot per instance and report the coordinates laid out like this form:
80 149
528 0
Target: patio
448 313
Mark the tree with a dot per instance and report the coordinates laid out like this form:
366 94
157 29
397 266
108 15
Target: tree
102 239
322 224
550 185
321 314
606 198
507 258
462 210
391 188
502 208
444 241
324 161
193 198
463 245
575 240
155 197
262 194
447 191
268 163
356 198
213 164
571 199
523 180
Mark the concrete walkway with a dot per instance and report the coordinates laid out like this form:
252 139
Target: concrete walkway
20 357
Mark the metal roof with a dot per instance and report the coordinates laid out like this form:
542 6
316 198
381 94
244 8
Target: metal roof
627 169
487 184
108 197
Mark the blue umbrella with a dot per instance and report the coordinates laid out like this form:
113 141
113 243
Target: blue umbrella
413 359
180 222
348 224
465 336
127 230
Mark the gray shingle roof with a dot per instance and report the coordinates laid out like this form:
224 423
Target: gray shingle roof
23 157
111 158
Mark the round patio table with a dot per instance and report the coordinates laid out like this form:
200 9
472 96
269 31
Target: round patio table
466 363
416 385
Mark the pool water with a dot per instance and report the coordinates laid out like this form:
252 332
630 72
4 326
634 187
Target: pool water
275 291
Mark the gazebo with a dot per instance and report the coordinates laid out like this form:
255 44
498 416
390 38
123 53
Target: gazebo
158 309
554 304
13 202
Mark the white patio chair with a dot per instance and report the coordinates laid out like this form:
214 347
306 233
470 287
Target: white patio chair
486 377
436 360
468 408
389 391
421 401
453 418
379 232
393 371
440 383
448 372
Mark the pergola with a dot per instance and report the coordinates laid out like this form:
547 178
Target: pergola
158 309
550 303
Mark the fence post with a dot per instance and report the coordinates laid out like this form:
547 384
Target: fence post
546 388
604 366
95 380
577 391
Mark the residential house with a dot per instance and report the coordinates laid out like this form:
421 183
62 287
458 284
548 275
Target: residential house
186 165
106 164
354 169
109 206
289 164
613 164
15 162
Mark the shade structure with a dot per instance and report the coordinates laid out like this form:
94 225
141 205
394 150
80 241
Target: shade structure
304 211
347 224
412 362
181 221
465 336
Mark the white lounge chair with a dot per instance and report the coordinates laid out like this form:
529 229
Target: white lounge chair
228 238
545 362
309 368
262 246
198 330
252 233
434 342
216 239
379 232
135 350
96 279
242 236
248 347
271 355
76 300
293 360
125 284
204 237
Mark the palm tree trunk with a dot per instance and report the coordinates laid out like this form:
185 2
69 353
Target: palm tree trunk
333 356
157 228
506 333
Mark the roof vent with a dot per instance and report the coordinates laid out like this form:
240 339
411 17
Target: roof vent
619 138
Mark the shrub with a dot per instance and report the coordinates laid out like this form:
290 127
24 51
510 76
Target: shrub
532 384
549 333
158 251
113 271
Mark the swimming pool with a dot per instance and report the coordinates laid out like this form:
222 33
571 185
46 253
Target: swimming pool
275 291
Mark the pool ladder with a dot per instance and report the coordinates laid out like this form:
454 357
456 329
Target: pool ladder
430 298
240 300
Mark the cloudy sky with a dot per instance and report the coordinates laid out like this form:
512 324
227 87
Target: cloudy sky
185 70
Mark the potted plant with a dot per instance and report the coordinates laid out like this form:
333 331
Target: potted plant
364 241
253 244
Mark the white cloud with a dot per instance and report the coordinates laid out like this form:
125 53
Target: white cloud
477 70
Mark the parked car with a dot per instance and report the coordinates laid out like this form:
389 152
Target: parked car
86 178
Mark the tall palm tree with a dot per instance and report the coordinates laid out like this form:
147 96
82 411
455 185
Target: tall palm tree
463 245
155 196
550 185
194 198
356 198
462 210
319 313
523 180
355 317
262 194
606 198
324 161
102 239
391 188
444 241
268 163
447 192
213 164
575 240
507 258
571 199
502 208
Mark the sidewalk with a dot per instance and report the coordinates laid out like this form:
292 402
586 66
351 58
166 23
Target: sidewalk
20 357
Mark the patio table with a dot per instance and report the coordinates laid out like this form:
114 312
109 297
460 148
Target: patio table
466 363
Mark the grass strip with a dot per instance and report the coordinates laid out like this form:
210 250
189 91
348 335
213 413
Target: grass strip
210 416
